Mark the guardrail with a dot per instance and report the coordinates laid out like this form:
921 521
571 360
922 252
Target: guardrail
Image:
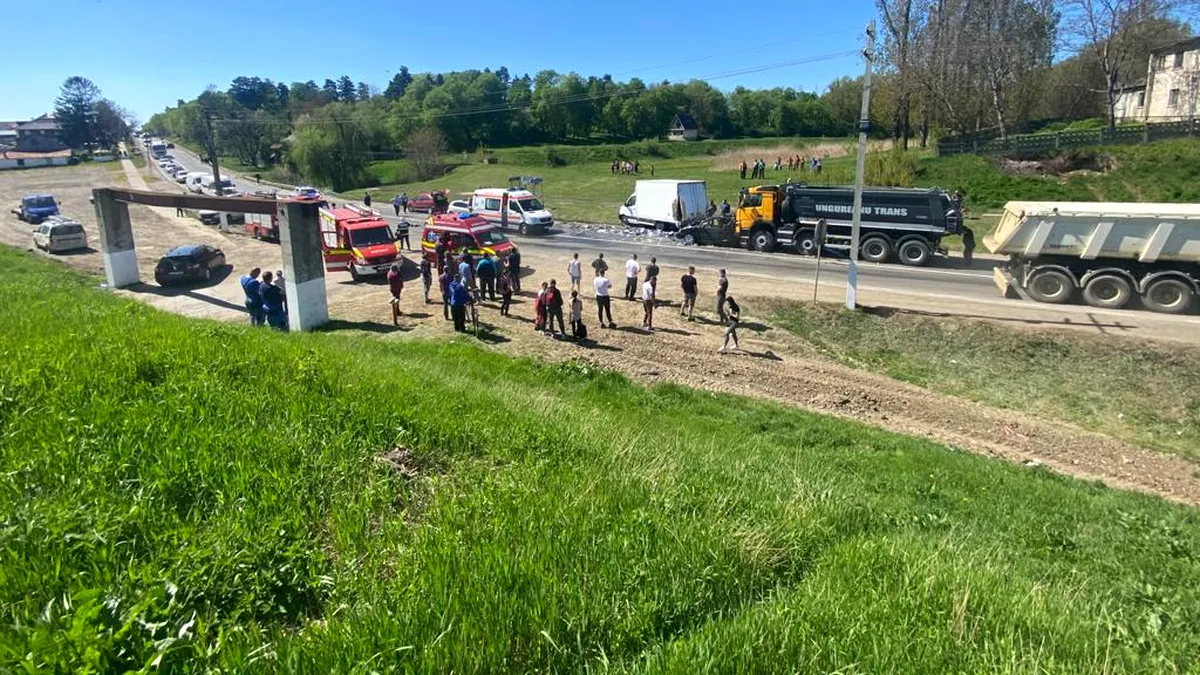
1058 140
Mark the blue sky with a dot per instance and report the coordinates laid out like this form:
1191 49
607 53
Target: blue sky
147 54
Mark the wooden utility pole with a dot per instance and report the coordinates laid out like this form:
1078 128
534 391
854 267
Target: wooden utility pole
864 127
211 144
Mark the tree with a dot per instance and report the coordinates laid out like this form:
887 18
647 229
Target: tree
75 111
330 89
1110 27
1015 39
398 85
900 27
424 149
346 89
364 91
112 124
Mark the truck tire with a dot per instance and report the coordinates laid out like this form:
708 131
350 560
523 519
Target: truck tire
806 242
876 249
1107 291
763 241
914 252
1050 286
1169 296
354 275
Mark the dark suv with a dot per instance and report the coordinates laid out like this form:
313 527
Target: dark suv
189 263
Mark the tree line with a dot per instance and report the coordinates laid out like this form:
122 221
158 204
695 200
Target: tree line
86 119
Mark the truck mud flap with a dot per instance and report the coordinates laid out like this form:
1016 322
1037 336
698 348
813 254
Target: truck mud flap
1008 286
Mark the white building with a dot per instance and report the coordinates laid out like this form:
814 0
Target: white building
1171 92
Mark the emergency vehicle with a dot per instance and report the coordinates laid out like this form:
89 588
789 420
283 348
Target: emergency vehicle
514 208
463 232
266 227
357 239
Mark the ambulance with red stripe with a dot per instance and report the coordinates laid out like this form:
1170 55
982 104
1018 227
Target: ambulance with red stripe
463 232
358 240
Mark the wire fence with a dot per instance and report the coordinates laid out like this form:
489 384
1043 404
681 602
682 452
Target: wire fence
989 143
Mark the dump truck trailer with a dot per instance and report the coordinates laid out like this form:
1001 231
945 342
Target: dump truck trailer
1108 253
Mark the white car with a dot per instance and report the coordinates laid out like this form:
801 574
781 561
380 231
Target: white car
59 234
460 206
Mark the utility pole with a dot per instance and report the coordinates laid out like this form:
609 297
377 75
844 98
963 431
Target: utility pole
864 127
212 152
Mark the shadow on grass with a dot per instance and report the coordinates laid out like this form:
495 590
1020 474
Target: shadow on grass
335 325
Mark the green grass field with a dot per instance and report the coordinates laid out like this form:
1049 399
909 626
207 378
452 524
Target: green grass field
1144 393
187 496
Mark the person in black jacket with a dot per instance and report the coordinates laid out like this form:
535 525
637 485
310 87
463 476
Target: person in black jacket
968 241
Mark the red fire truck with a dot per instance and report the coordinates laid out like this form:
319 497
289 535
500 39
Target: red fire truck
357 239
266 227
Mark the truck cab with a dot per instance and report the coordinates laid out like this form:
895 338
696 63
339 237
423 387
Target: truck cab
357 239
33 209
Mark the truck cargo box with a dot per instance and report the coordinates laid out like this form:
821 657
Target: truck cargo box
653 202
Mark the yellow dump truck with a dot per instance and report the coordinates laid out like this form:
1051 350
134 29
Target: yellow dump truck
1109 253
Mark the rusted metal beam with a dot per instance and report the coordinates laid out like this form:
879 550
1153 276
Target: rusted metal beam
195 202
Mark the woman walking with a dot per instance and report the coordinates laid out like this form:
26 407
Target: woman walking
734 314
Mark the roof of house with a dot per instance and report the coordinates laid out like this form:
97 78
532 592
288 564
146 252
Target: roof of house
1186 45
685 121
43 123
13 154
9 126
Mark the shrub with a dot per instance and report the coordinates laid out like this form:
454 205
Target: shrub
554 157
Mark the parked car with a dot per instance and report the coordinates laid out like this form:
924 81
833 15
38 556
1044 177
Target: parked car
717 232
308 193
460 206
59 234
189 263
429 202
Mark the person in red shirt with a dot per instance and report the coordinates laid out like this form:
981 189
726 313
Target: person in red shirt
395 285
553 302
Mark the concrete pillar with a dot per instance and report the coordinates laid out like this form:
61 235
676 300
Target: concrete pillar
303 265
116 240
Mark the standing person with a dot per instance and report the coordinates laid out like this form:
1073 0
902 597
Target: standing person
722 289
742 169
440 248
465 271
272 303
486 270
648 290
575 271
577 330
252 287
505 286
444 280
553 301
402 234
734 316
725 208
632 268
968 241
688 283
395 284
599 265
514 269
426 275
367 199
652 269
404 201
539 309
282 286
603 301
396 204
460 297
820 164
179 212
637 167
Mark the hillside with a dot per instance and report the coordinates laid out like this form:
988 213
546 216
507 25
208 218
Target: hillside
189 496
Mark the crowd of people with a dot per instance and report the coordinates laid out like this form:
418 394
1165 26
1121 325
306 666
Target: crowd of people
758 170
266 299
628 168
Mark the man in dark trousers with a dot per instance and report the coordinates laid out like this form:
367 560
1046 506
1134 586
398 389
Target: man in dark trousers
404 202
652 269
444 283
460 297
603 302
367 199
722 289
742 169
396 204
514 269
426 275
688 283
402 234
440 247
485 269
632 268
968 241
553 300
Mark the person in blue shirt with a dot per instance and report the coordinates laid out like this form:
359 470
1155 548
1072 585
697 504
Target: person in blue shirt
486 271
444 281
460 297
465 272
272 303
252 287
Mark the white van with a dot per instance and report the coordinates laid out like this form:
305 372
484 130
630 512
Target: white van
59 234
525 211
194 182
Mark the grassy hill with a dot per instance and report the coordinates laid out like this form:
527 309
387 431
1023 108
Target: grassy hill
186 496
579 187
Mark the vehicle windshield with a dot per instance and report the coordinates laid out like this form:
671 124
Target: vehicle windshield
373 236
528 205
490 238
40 202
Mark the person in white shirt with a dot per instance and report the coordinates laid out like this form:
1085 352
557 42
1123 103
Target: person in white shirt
603 302
648 290
632 269
575 271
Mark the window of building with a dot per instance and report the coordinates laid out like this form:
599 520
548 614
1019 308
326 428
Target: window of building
1173 97
1178 60
1159 62
1141 99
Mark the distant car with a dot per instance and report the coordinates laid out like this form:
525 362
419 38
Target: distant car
308 192
429 202
707 233
170 146
59 234
460 206
189 263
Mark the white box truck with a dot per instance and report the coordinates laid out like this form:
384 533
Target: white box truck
665 204
1107 252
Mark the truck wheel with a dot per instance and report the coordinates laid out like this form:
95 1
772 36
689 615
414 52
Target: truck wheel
354 275
624 221
521 228
1107 291
914 252
1169 296
762 240
876 249
806 242
1052 286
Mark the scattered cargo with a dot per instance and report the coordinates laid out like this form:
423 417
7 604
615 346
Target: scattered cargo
1107 252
